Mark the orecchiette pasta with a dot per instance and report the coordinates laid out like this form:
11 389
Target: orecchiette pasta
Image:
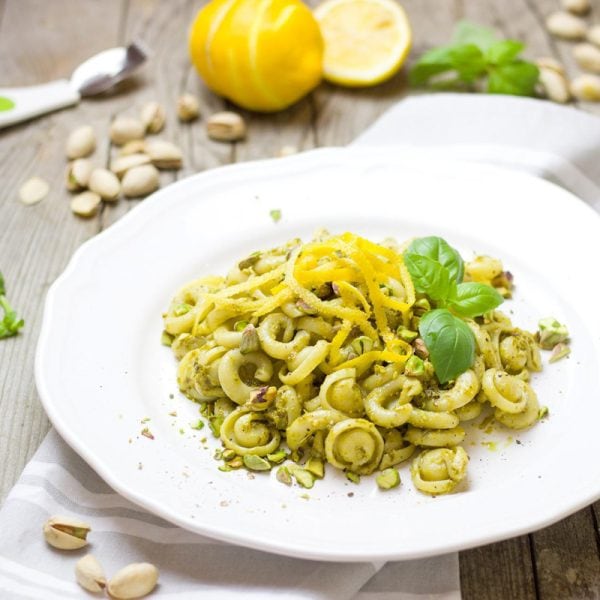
311 352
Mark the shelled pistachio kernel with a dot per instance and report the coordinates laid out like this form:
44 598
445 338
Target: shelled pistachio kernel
315 466
77 175
188 107
256 463
81 142
283 475
66 533
353 477
226 127
34 190
86 204
303 477
133 581
388 479
153 117
105 183
126 129
89 574
140 181
120 165
566 26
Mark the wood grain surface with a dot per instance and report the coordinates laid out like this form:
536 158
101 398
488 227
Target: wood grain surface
42 40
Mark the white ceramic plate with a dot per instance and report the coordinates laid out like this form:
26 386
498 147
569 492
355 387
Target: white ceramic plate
101 369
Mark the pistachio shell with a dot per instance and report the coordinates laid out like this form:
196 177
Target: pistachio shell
86 204
586 87
133 581
120 165
188 107
153 117
78 174
587 57
66 533
126 129
577 7
554 86
548 62
226 127
140 181
105 183
81 142
567 26
287 151
133 147
164 155
33 190
89 574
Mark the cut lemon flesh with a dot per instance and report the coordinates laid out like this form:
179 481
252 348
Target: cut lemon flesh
366 41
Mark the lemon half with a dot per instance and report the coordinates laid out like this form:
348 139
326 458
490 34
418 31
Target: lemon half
366 41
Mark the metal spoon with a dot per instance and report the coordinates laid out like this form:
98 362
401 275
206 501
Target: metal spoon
97 74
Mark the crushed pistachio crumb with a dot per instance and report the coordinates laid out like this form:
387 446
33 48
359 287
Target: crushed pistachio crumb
388 479
283 475
353 477
256 463
275 215
198 426
147 433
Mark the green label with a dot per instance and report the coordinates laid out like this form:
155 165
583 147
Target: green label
6 103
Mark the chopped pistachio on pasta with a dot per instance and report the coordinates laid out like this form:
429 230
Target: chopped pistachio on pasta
308 357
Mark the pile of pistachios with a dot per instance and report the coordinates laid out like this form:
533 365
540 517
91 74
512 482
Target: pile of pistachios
570 24
134 168
133 581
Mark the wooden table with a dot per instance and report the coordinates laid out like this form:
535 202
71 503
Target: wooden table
42 40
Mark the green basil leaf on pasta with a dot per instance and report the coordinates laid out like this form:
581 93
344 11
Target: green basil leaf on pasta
429 276
450 342
439 250
474 299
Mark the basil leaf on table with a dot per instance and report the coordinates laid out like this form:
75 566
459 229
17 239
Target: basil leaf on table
450 342
503 52
474 299
441 251
517 79
466 32
429 276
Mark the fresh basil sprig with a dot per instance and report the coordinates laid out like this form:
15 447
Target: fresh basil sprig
476 55
10 323
437 270
450 343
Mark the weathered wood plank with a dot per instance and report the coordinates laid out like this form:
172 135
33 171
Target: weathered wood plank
566 555
37 241
498 571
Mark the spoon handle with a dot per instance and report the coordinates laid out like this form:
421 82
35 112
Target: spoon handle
22 103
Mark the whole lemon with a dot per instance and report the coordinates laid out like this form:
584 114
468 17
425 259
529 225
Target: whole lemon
262 54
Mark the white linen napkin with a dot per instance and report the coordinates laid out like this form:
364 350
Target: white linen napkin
553 142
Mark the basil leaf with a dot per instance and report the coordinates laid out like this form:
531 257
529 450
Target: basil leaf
429 276
439 250
466 32
450 342
433 62
474 299
503 52
468 61
518 78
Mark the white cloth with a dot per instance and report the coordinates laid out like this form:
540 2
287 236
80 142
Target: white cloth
554 142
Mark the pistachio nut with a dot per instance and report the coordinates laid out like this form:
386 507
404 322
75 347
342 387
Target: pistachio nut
226 127
86 204
553 85
593 35
140 181
126 129
164 155
577 7
153 117
548 62
133 581
587 57
283 475
586 87
388 479
78 174
133 147
120 165
188 107
33 190
105 183
81 142
567 26
89 574
256 463
66 533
